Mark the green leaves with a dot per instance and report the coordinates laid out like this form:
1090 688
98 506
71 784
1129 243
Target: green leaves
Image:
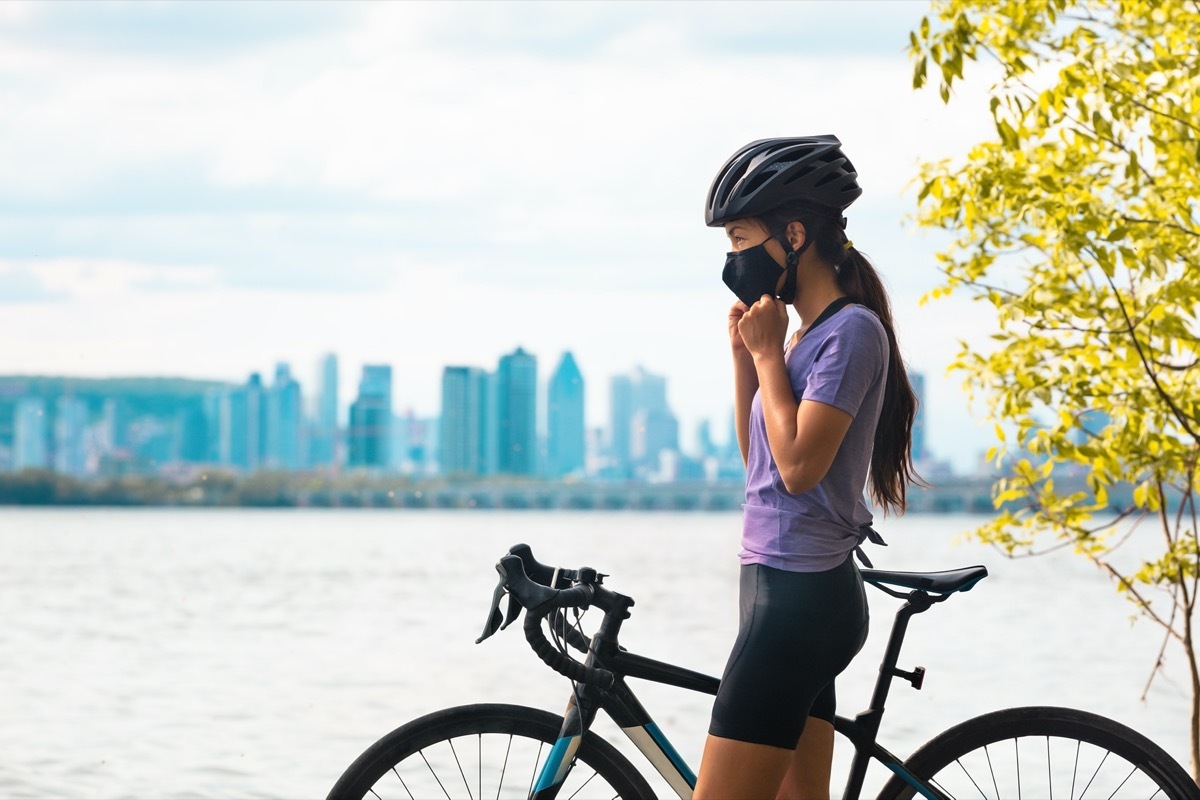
1078 224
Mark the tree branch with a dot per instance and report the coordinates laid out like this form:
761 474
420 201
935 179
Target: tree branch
1180 417
1180 228
1176 367
1133 99
1139 601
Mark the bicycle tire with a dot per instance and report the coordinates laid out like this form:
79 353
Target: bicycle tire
483 750
1043 752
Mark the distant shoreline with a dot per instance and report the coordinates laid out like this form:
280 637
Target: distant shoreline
219 489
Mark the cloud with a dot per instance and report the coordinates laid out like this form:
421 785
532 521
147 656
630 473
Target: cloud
19 284
170 30
301 160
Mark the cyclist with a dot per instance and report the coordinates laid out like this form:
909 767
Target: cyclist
816 416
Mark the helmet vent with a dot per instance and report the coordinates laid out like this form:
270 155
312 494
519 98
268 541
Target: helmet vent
757 181
804 172
830 178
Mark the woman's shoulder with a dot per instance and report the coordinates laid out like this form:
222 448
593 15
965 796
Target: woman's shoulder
861 320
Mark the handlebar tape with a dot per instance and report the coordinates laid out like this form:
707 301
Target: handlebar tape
540 601
557 661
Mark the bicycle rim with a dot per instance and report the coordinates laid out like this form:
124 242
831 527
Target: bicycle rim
1043 753
483 751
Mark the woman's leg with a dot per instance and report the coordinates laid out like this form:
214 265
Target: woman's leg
797 632
733 770
807 777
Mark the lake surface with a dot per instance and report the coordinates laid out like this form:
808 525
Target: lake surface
153 653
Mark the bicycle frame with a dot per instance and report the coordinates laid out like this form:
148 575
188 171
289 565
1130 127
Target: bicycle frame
620 703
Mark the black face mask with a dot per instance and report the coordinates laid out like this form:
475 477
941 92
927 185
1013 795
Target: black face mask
752 272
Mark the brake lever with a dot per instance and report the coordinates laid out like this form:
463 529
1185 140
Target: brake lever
494 617
514 611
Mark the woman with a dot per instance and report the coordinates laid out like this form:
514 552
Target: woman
815 418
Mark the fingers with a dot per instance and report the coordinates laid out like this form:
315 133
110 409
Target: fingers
763 326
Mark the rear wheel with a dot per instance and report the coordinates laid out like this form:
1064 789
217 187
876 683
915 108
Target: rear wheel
483 751
1043 752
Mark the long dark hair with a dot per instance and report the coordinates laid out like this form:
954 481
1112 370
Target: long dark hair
891 457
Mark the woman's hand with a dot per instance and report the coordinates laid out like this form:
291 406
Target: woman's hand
735 315
763 326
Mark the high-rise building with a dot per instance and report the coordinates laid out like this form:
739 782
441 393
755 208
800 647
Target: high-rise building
621 408
655 431
240 433
115 425
566 432
29 434
284 421
323 447
919 452
642 424
516 404
70 427
705 446
371 420
467 427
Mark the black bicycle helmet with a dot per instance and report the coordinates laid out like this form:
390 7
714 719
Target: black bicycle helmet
769 173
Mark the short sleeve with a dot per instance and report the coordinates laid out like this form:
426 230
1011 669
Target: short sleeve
852 358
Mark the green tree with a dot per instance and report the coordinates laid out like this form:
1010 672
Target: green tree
1078 223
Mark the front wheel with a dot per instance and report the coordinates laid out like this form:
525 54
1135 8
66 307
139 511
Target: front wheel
1042 752
483 751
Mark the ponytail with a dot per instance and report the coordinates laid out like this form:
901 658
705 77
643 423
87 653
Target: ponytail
891 457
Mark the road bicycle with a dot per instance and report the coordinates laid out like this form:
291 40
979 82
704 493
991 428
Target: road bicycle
495 750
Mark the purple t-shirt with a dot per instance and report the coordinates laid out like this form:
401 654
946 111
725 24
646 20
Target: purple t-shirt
842 363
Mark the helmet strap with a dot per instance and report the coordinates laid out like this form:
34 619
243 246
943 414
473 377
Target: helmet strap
788 294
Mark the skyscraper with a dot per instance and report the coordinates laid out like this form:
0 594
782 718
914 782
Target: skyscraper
565 419
371 419
29 434
467 428
70 424
642 424
621 409
240 425
284 421
516 387
323 447
918 431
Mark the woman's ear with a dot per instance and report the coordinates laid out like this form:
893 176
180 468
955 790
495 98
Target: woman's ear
796 234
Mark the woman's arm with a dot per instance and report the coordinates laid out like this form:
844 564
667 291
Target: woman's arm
804 437
745 380
745 384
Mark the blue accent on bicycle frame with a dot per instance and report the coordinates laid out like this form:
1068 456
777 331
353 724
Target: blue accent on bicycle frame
908 778
670 752
550 770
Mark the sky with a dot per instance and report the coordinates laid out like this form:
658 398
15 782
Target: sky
207 189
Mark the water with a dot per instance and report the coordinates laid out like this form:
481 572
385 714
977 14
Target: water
241 653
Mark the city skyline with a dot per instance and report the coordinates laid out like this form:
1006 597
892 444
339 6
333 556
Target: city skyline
500 422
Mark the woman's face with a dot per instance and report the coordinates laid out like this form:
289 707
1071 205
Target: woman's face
745 233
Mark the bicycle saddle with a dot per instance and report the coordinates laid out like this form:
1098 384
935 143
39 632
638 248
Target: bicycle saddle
945 582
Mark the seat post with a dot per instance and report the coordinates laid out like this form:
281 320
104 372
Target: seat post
918 601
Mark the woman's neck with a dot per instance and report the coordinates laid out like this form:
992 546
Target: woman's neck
811 300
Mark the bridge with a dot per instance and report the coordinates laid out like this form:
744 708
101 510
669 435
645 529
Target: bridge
948 495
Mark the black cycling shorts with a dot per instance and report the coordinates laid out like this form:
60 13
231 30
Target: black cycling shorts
798 631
